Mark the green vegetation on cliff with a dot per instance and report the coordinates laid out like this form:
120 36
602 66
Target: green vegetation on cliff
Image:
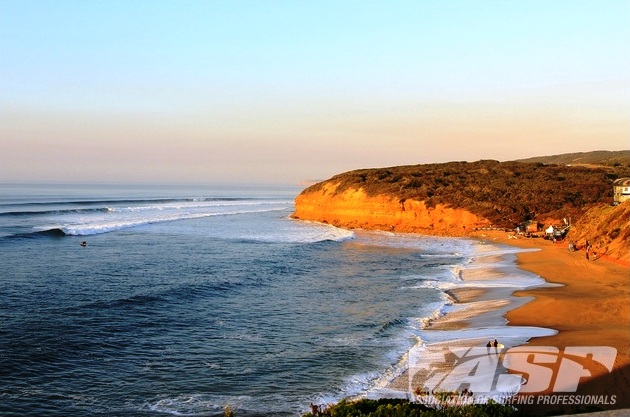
505 193
405 408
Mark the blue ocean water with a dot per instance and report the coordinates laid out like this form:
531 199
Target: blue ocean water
186 300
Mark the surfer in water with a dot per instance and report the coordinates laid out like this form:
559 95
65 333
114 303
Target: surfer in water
84 243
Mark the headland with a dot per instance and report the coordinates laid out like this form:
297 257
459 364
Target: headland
488 200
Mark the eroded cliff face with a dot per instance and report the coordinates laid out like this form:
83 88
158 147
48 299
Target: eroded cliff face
353 208
606 227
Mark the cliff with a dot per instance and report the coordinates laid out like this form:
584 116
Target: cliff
353 208
454 198
607 228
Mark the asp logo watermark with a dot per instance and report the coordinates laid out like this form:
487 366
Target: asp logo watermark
505 372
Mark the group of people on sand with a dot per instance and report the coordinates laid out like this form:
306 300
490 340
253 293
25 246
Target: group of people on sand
494 344
588 251
588 248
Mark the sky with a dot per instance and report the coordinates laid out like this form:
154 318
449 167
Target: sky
287 91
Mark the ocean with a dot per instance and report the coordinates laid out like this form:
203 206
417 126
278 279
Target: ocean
184 300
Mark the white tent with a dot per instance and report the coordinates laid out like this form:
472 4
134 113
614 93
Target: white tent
549 230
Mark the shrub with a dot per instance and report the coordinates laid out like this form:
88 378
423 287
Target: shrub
404 408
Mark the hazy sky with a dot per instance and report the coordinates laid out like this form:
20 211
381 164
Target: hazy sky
283 91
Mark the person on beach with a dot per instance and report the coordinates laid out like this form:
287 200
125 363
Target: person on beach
488 346
496 346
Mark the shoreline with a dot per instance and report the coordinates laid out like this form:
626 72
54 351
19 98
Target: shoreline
480 302
590 307
583 304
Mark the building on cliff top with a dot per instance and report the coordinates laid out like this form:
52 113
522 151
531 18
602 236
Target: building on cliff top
621 190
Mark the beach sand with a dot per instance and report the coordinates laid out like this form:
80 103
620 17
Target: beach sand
591 308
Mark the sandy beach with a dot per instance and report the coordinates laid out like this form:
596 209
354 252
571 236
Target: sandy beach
590 308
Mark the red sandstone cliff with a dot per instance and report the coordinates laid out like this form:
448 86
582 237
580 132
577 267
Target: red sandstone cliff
453 199
353 208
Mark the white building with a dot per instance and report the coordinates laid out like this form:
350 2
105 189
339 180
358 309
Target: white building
621 190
